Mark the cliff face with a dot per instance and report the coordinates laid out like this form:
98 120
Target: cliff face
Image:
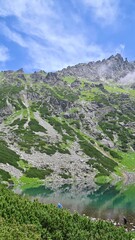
70 126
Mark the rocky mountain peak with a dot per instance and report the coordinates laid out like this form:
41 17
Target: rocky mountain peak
20 70
116 57
115 67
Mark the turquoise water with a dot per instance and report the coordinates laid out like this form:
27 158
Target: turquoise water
108 202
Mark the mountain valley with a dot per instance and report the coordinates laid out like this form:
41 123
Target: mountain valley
71 127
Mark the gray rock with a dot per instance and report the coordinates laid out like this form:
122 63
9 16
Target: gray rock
115 67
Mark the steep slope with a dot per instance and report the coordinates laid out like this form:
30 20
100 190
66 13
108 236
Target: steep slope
68 127
24 219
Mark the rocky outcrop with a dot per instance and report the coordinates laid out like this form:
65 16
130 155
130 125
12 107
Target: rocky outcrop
115 67
20 70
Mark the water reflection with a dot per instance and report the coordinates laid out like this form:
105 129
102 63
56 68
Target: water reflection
106 202
38 191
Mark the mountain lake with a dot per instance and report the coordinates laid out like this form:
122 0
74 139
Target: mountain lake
108 202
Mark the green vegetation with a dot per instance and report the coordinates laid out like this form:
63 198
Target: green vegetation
59 126
4 176
128 160
104 164
91 94
29 139
38 173
102 179
8 156
111 125
19 122
15 231
115 155
34 126
13 116
68 79
24 164
44 110
26 182
119 89
111 107
7 90
115 89
22 219
66 94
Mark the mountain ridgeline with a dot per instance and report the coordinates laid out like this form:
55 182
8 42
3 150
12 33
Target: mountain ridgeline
73 126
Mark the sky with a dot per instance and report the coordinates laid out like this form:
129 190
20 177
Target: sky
53 34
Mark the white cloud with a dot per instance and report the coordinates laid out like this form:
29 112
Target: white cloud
120 49
122 46
4 54
105 11
128 79
14 36
42 28
53 59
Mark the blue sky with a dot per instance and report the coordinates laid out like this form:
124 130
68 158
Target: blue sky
52 34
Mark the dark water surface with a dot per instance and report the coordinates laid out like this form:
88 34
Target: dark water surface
108 202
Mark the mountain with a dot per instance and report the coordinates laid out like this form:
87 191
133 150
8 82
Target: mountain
72 127
115 68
